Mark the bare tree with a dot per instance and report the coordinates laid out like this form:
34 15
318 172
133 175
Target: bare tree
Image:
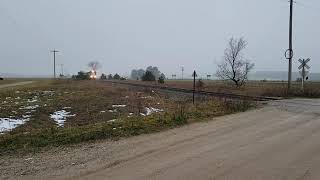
94 65
234 66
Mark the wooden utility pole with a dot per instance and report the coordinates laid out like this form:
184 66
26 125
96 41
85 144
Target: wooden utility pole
54 63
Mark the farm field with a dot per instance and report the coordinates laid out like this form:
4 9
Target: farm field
54 113
11 81
252 88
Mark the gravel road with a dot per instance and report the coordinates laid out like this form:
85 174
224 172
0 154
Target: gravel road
277 141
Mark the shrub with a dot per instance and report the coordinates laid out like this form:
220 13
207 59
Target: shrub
103 76
82 75
161 80
116 77
148 76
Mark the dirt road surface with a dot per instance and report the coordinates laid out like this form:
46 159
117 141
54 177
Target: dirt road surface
278 141
15 84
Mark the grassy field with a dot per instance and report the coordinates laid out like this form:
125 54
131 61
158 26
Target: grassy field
10 81
253 88
62 112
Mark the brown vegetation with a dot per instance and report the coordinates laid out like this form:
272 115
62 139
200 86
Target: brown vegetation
102 110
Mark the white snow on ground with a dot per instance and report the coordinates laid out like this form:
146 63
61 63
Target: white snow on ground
30 107
146 97
61 116
7 124
66 108
130 115
26 116
32 101
150 111
112 120
142 114
117 106
48 92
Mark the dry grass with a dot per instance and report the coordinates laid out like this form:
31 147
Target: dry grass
253 88
96 118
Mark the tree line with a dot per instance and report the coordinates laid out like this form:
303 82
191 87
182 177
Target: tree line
152 73
234 67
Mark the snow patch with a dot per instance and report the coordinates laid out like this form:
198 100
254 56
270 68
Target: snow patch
118 106
112 120
61 116
32 101
48 92
30 107
26 116
150 111
7 124
146 97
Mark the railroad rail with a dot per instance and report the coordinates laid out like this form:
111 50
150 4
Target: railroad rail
206 93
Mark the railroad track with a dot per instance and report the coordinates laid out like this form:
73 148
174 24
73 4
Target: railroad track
206 93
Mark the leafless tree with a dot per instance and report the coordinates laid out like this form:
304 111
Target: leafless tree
234 66
94 65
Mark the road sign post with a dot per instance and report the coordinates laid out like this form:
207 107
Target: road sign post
303 71
194 85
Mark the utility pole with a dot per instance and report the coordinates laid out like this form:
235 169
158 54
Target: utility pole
182 69
290 46
54 62
62 69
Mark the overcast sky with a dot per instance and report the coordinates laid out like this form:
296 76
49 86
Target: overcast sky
127 34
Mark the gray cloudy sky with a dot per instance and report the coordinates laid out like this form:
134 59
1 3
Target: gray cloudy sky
127 34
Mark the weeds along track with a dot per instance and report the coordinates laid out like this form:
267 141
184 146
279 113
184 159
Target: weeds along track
197 92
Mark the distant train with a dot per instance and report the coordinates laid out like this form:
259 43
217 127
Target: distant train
93 74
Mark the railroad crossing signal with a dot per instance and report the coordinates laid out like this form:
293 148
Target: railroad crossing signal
304 63
194 74
303 71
